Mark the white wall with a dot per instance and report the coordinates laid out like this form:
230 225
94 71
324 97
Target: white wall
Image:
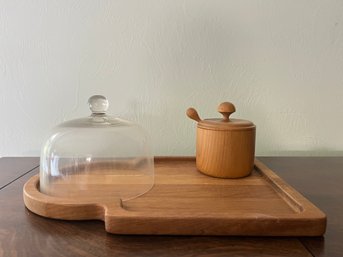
279 62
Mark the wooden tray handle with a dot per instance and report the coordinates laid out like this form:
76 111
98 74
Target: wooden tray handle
67 208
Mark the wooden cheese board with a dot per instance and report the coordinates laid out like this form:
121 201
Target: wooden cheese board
184 201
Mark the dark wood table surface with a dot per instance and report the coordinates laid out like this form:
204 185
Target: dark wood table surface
23 233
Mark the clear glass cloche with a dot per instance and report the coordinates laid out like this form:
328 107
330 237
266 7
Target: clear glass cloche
97 156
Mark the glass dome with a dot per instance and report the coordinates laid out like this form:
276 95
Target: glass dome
97 156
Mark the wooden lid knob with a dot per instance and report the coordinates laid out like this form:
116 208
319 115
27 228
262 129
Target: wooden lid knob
226 109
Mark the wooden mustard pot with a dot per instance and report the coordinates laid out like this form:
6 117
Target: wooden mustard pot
225 148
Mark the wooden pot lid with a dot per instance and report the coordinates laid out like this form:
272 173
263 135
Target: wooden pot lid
226 109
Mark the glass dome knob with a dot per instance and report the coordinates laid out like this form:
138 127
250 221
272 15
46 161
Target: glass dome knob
98 104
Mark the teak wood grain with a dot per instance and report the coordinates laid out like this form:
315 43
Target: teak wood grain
225 148
22 233
225 154
186 202
319 179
